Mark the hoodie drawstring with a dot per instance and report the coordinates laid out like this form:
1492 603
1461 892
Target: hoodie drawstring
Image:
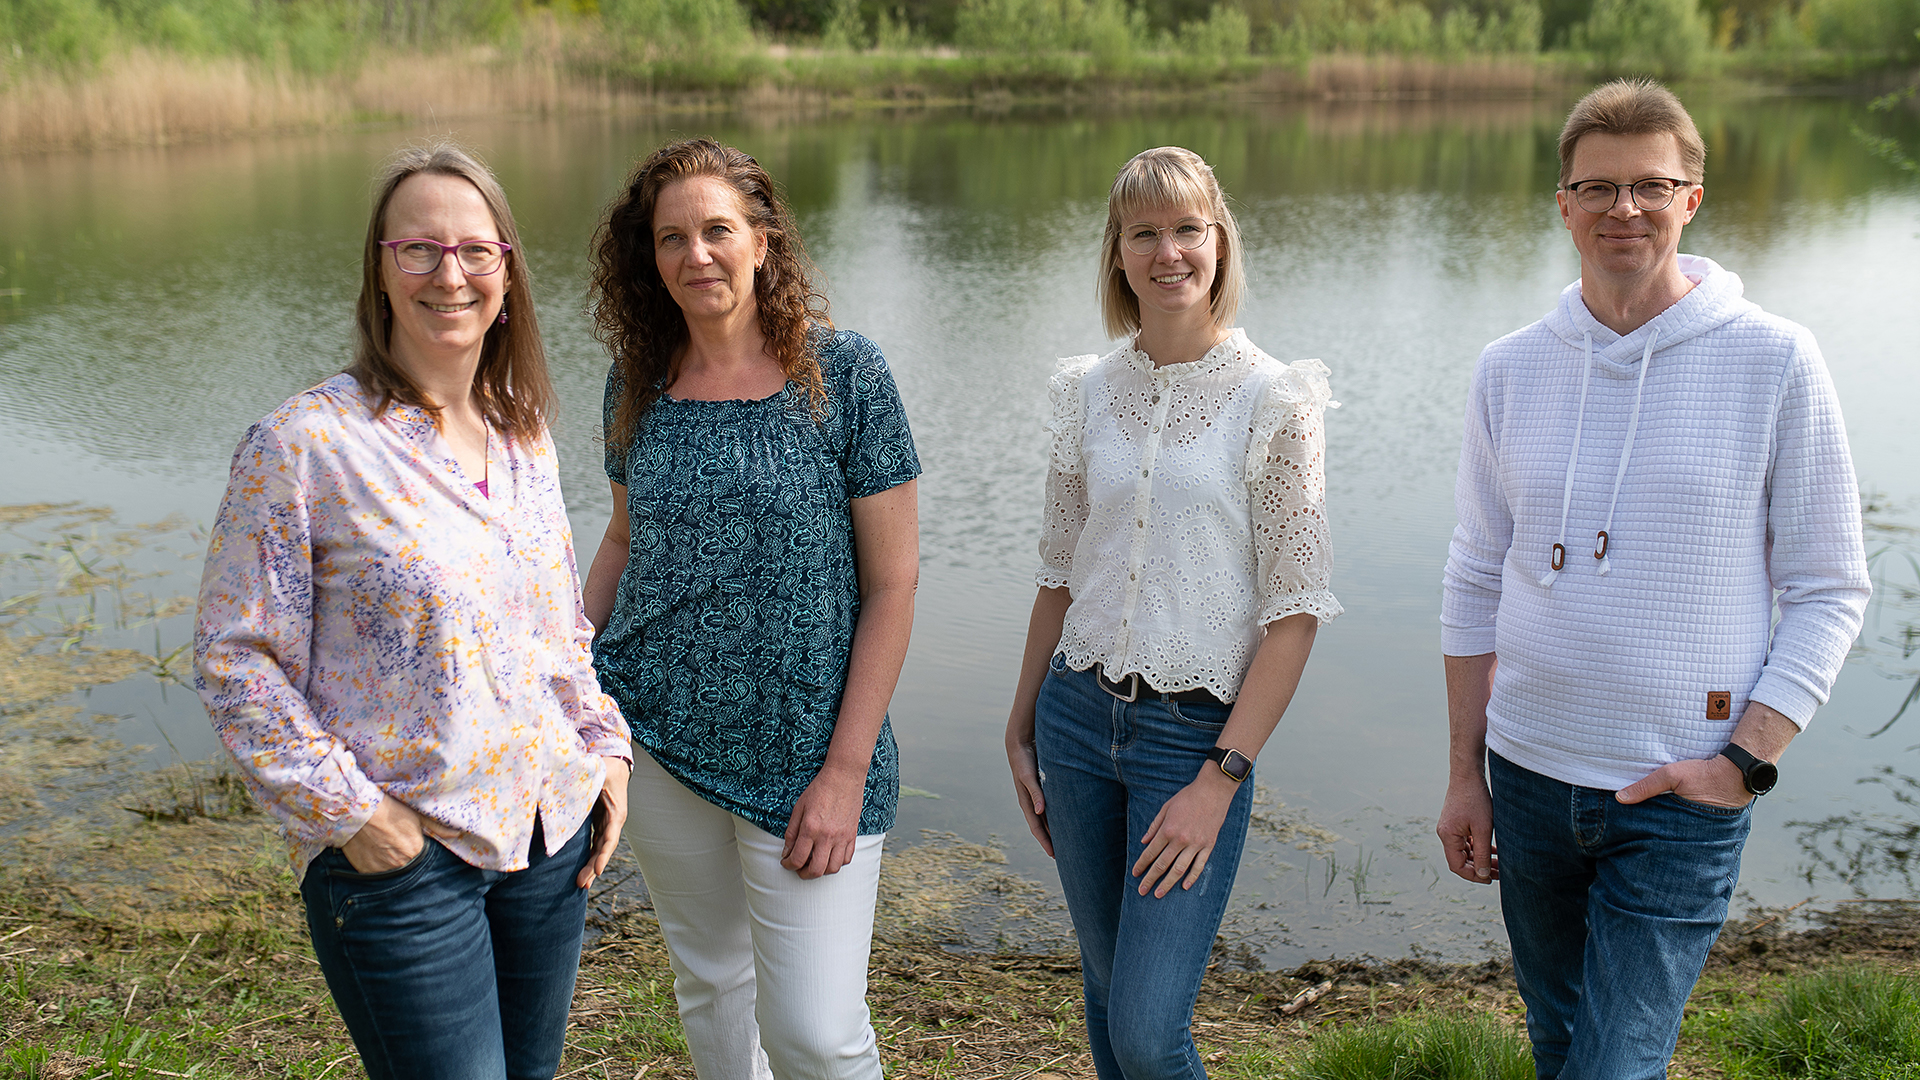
1633 426
1558 558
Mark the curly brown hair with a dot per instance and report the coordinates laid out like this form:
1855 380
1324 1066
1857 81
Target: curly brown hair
515 392
637 319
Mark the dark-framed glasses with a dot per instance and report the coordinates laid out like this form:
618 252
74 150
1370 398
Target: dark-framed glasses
1650 195
1187 233
418 256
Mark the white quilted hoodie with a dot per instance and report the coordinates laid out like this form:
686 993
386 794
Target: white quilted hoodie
1708 446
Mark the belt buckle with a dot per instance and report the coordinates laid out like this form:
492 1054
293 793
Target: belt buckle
1107 684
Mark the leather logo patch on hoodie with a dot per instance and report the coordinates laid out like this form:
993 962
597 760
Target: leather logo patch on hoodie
1719 704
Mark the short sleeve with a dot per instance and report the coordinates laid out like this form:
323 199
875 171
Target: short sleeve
1287 482
616 456
1065 514
880 453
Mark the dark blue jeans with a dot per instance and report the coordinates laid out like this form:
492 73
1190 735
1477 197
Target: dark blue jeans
444 970
1106 768
1611 910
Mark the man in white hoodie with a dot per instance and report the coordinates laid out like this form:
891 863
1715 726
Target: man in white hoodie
1643 471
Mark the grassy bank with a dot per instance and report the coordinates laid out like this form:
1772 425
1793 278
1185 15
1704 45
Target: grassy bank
150 926
172 949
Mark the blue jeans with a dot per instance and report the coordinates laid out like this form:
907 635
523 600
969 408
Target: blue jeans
1106 768
1611 910
444 970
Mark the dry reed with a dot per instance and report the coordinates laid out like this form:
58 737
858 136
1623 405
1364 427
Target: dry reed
154 99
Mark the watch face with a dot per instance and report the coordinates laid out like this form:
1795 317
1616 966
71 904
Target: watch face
1762 777
1237 766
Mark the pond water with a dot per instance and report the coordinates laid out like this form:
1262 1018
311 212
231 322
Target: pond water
154 303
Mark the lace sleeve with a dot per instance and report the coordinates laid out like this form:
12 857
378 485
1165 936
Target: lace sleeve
1286 476
1065 512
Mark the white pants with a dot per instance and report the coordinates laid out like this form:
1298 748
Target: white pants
770 970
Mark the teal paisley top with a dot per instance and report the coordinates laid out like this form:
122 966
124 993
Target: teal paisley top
732 628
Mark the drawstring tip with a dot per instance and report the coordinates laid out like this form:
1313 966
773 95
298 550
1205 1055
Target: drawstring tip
1546 579
1606 564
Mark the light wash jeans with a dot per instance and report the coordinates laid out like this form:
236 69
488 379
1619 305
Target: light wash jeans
1611 910
1106 768
770 970
445 971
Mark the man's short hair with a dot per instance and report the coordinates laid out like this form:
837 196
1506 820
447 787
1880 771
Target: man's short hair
1634 107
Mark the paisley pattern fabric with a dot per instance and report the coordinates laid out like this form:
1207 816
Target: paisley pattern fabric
370 625
1186 509
733 624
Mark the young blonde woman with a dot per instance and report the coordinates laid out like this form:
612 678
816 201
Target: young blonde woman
1185 567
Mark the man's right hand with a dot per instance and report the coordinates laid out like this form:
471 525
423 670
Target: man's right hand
392 837
1466 831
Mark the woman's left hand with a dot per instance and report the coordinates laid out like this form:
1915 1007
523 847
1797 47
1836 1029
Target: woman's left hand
609 814
1182 834
825 823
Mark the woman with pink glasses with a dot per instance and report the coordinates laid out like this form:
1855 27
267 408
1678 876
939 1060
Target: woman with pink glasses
391 644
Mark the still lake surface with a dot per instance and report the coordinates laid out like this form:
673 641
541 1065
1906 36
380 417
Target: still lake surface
153 303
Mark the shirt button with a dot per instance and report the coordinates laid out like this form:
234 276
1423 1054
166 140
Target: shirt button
1156 429
1144 472
1132 577
1139 523
1155 400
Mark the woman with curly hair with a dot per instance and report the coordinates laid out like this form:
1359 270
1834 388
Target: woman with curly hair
753 595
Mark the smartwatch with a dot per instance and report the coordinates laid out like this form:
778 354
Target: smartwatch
1759 776
1235 764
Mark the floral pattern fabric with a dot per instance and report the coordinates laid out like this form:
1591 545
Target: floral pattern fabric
733 623
1186 509
370 624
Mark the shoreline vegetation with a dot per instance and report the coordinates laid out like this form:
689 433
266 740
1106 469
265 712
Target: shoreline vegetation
151 927
83 74
168 948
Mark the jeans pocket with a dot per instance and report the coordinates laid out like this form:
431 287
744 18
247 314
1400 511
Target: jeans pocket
1708 808
1201 715
340 868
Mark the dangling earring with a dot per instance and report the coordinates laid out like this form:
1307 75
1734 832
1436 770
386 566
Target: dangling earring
503 311
383 304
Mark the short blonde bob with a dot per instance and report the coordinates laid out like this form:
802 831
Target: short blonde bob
1167 176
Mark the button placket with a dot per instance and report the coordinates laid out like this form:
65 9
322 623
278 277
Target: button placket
1159 399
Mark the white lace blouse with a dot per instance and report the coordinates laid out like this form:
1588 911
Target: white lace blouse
1186 509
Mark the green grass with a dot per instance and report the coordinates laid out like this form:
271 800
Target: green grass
1424 1046
1848 1024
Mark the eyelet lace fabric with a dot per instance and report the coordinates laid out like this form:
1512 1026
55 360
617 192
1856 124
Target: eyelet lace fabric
1185 509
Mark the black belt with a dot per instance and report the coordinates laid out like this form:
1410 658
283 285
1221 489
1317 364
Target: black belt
1133 688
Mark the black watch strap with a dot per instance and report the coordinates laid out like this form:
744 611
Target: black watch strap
1235 764
1758 774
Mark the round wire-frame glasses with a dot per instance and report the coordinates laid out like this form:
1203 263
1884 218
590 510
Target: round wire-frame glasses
1651 195
1187 233
416 255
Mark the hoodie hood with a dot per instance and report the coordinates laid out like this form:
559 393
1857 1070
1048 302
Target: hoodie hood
1715 299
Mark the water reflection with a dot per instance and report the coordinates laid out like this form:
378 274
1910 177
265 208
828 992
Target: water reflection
166 299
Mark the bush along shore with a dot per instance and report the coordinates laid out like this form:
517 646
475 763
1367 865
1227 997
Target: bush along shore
81 73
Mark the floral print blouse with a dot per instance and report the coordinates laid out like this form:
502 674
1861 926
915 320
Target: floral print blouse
733 624
371 623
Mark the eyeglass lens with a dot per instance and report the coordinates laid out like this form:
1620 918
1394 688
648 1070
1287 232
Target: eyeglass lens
1599 196
423 256
1187 233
